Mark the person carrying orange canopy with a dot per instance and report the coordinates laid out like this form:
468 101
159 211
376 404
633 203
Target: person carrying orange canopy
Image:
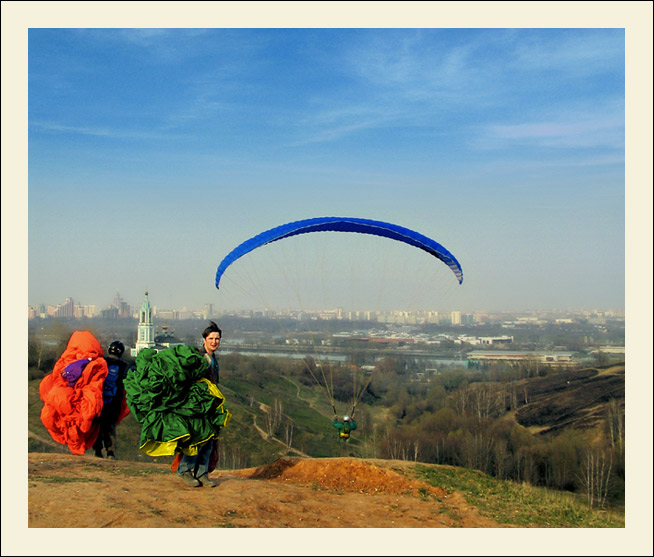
72 393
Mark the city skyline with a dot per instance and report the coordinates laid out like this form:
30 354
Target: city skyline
123 308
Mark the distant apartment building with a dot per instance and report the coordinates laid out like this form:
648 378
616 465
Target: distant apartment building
329 315
460 318
360 315
109 313
65 310
399 317
85 311
124 310
174 314
481 318
444 318
431 317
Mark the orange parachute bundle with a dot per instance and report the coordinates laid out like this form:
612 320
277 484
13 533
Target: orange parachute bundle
72 393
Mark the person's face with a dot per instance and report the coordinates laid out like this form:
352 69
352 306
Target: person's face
211 342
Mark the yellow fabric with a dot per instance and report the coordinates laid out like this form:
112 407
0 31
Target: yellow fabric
163 448
215 391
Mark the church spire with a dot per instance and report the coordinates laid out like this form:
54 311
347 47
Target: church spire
145 337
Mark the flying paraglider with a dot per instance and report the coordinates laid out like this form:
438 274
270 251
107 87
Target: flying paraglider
342 224
323 372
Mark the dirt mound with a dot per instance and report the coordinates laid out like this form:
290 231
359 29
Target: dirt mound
343 474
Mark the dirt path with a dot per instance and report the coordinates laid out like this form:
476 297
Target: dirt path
264 435
289 493
298 393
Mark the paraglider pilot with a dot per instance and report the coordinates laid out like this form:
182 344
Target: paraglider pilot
345 427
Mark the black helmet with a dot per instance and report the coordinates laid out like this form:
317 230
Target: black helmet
116 348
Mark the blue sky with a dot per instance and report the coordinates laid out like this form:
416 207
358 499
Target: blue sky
154 152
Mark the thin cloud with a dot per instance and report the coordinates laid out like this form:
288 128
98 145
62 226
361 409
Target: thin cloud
335 132
415 70
167 44
573 133
456 68
97 131
589 53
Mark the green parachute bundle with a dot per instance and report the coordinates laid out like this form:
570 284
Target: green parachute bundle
178 408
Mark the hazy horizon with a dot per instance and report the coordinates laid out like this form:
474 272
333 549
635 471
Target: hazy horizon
135 306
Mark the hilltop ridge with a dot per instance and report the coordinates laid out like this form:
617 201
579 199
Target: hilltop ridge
290 492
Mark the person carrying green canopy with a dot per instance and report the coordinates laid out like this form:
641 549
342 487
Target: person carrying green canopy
179 407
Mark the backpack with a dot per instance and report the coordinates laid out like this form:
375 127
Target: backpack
110 384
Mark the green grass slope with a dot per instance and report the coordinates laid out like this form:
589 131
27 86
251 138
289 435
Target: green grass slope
518 505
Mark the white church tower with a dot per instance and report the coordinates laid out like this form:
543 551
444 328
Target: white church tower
145 337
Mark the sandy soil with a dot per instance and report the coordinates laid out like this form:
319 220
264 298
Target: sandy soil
289 493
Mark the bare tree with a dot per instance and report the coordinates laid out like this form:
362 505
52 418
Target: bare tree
595 476
475 451
396 448
36 349
274 416
487 400
461 400
615 425
501 456
288 434
232 459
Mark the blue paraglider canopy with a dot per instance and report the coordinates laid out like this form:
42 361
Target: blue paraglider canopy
342 224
